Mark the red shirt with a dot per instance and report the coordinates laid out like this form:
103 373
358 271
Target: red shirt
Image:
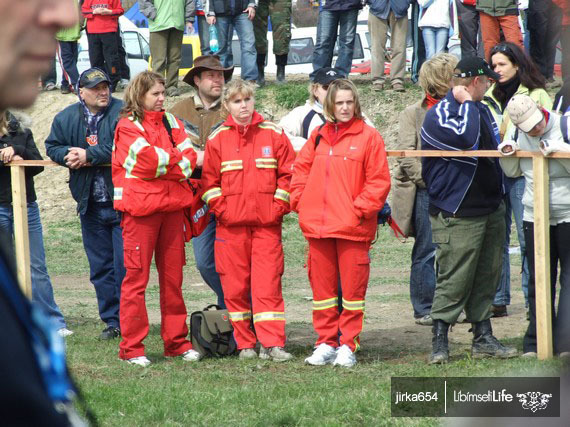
98 24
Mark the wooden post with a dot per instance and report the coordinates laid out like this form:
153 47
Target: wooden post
21 236
542 258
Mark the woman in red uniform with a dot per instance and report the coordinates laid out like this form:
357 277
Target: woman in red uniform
246 176
340 182
152 160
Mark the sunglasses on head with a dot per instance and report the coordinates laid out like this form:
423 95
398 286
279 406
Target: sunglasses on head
501 48
325 87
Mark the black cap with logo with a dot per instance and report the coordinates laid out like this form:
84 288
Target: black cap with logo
473 66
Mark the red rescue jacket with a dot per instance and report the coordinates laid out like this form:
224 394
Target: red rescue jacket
97 24
339 188
150 171
246 176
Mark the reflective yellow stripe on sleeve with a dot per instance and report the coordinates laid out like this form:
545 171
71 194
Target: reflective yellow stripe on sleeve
163 159
134 150
353 305
231 165
211 194
118 193
325 303
266 163
282 195
185 167
268 316
184 145
237 316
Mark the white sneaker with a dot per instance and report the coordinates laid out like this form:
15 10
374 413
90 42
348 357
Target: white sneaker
247 353
191 356
139 361
322 355
64 332
345 357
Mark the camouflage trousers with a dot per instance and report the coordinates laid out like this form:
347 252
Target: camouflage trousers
280 12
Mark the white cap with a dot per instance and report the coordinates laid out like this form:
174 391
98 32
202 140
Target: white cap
524 113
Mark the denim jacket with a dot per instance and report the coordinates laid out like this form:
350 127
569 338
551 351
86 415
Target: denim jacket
381 8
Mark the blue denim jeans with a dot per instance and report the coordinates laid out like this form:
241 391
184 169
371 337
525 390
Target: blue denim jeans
42 290
327 27
205 262
435 40
103 243
422 273
513 207
244 29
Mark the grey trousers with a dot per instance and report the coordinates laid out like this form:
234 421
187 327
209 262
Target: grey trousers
166 48
378 36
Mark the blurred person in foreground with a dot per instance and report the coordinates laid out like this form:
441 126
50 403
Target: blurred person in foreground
247 172
410 200
340 183
32 359
151 163
543 130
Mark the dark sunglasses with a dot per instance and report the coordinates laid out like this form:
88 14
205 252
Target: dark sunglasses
325 87
502 48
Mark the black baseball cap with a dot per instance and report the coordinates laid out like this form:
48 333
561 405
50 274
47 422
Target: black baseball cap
326 75
473 66
92 77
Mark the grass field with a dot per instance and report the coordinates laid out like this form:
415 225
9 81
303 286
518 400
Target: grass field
257 393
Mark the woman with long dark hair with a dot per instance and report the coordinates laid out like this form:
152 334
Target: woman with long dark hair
518 75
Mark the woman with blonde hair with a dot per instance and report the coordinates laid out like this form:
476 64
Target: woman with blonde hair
246 177
410 200
340 183
152 161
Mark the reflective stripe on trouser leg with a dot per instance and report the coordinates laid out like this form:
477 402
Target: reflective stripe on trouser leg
354 264
323 272
232 248
267 299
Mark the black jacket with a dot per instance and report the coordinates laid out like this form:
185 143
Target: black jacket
24 399
69 129
24 146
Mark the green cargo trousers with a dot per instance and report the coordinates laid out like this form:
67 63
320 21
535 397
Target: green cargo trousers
469 257
166 52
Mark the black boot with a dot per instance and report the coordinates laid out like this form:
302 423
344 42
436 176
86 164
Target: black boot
440 349
261 69
281 62
486 345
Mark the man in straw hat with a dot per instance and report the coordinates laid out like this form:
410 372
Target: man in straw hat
201 114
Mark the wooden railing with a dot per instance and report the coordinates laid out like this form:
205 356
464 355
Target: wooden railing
541 229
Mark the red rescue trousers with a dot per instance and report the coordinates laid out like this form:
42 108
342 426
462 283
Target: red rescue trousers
328 258
161 234
249 260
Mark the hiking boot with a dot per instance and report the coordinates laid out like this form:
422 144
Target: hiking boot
424 320
439 343
172 91
277 354
261 69
109 333
247 353
344 357
281 62
139 361
191 356
65 90
499 311
64 332
486 345
322 355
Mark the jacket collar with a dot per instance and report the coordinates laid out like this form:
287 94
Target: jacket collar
255 120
